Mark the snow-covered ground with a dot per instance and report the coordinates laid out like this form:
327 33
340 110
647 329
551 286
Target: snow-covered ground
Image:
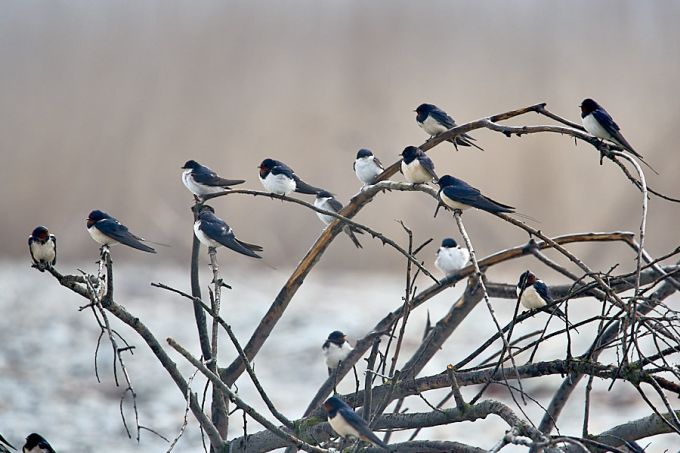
48 383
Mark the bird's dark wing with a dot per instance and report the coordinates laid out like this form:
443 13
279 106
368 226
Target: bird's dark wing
335 204
428 165
249 246
378 163
606 121
219 231
278 163
543 291
303 187
442 117
466 194
116 230
210 178
54 240
30 249
44 445
613 129
360 424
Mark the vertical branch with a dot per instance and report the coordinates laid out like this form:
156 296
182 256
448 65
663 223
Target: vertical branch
204 339
215 300
219 406
219 410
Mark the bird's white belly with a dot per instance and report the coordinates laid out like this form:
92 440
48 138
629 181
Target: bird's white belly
366 170
531 299
100 237
196 188
343 428
43 252
594 128
324 217
432 127
453 204
450 261
414 173
278 184
205 240
336 354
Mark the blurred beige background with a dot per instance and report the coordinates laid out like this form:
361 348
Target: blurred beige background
102 102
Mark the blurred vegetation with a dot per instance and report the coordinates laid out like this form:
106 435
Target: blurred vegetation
102 102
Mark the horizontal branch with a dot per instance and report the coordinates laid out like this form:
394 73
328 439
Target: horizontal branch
316 428
634 430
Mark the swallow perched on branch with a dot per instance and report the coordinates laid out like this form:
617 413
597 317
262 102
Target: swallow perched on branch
451 257
201 180
434 121
107 230
536 295
598 122
43 248
367 167
35 443
346 422
457 194
326 200
416 166
335 349
280 179
214 232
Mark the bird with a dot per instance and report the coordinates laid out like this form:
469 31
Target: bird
416 166
457 194
598 122
107 230
335 349
434 121
214 232
451 257
35 443
4 444
367 167
201 180
280 179
43 248
345 422
535 294
326 200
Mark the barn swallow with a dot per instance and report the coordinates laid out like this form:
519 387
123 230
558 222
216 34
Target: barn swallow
345 422
434 121
214 232
367 167
336 349
598 122
3 448
43 248
35 443
201 180
536 294
416 166
457 194
325 200
279 178
106 230
451 257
